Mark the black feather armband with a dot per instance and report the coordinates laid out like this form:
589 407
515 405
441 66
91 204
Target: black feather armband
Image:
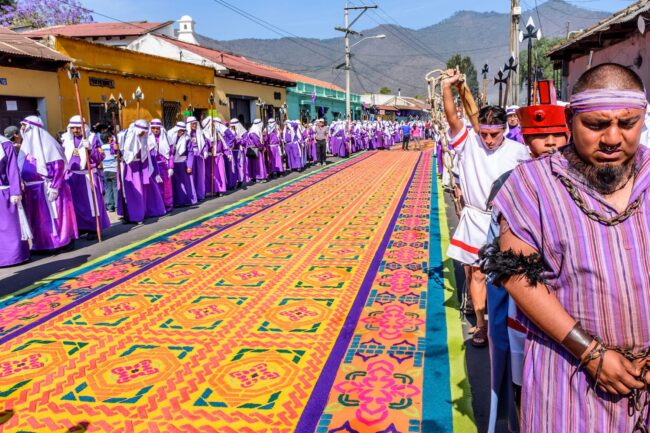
502 265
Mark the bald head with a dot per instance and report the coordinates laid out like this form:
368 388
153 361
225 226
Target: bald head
608 76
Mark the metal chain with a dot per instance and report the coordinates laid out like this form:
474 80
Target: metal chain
579 201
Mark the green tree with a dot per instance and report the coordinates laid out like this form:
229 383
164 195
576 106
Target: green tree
541 63
466 67
385 91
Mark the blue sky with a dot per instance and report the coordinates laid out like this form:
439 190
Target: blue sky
314 18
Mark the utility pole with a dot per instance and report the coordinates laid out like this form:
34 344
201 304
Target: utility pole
348 31
515 17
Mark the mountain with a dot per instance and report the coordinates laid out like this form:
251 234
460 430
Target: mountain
402 59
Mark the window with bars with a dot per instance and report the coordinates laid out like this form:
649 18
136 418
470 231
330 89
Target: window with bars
171 110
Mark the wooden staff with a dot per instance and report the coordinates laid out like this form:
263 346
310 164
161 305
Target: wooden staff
74 76
112 107
214 143
265 148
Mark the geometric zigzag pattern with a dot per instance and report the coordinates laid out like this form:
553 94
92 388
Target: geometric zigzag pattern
242 321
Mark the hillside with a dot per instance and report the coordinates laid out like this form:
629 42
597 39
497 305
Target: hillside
403 58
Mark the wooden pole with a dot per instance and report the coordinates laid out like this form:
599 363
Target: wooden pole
74 76
214 144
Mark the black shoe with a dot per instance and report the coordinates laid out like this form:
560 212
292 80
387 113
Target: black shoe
91 236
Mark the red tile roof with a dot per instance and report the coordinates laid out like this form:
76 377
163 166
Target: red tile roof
135 28
309 80
234 63
15 44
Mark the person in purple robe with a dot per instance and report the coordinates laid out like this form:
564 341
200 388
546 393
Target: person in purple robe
183 190
292 138
140 175
275 148
215 168
514 129
199 150
239 142
257 166
376 142
228 142
86 204
396 137
13 237
337 139
162 153
48 197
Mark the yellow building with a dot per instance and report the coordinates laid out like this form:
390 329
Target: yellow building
170 87
28 81
239 82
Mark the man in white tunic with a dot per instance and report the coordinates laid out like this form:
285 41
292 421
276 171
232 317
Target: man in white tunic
482 157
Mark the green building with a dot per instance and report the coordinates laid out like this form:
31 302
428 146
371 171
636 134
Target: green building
311 99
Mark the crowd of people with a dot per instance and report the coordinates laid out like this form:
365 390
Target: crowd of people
553 233
54 190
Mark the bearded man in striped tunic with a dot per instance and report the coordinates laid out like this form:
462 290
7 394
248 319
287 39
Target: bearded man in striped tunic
574 254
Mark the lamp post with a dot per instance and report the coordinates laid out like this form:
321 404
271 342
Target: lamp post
137 97
531 33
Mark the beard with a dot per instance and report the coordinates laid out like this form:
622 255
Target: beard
606 178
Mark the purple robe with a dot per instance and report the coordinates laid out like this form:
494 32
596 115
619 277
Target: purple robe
293 152
515 134
439 154
198 168
240 163
49 233
215 168
182 182
343 146
164 164
14 249
257 166
143 199
375 142
598 273
229 159
80 186
275 152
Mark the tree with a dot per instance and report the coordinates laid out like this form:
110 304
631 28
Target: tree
541 64
42 13
466 67
385 91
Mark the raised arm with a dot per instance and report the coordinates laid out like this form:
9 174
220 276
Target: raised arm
455 124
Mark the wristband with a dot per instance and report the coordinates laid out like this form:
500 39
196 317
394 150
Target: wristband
577 341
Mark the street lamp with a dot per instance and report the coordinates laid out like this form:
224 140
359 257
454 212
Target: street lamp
347 69
531 33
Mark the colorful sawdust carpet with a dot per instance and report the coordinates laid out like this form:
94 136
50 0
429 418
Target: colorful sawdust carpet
249 318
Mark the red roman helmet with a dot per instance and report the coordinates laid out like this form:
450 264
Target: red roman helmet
545 118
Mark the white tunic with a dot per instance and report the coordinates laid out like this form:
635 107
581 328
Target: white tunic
478 168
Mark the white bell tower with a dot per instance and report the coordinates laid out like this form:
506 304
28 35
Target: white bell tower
186 29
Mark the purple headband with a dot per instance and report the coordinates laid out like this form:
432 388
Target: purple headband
155 124
607 99
29 122
497 126
144 128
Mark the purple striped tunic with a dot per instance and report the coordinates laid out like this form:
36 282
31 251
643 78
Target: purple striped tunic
600 274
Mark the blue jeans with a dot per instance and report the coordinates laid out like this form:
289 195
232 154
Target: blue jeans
110 190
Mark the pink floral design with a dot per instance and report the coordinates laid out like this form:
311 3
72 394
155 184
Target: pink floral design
31 362
29 309
393 322
209 310
376 391
253 375
324 276
130 372
298 313
117 308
